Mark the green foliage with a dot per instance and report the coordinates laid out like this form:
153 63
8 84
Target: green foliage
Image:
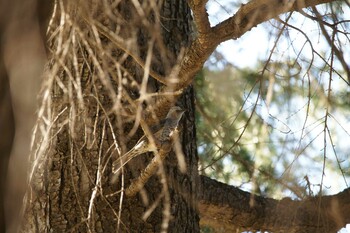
250 127
221 122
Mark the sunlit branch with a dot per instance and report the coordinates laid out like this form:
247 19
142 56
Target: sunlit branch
247 17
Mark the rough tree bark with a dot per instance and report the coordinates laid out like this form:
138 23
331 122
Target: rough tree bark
229 209
84 124
71 187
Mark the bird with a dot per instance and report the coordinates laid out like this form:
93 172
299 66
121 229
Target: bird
163 135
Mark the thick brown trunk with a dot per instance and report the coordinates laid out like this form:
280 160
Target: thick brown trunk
71 186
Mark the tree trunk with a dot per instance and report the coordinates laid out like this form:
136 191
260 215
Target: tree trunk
7 129
7 121
86 121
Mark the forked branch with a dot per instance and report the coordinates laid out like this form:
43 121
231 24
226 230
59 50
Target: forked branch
208 38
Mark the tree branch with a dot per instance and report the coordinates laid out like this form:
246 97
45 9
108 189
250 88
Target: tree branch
200 16
258 11
227 207
338 53
137 184
247 17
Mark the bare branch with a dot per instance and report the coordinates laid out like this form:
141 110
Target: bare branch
121 45
247 17
256 12
151 169
331 43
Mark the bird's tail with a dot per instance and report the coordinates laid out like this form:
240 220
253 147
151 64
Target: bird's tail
121 161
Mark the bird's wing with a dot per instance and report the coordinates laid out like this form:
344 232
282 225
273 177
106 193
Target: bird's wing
139 148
